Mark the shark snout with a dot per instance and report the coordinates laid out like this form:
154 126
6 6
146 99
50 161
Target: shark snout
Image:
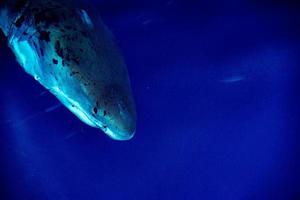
117 113
121 124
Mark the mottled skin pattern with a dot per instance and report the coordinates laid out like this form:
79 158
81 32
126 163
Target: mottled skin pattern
75 58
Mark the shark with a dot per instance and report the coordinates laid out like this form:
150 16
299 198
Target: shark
73 54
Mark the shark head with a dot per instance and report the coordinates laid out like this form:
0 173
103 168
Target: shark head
111 109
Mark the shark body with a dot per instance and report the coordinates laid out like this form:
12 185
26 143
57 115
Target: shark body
74 56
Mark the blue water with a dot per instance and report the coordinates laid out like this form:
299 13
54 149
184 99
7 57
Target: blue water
216 87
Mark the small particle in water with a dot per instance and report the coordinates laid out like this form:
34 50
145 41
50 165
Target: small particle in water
232 79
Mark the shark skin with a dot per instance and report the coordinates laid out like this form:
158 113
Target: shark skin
73 56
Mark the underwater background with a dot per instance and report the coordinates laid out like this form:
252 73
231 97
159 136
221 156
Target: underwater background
216 86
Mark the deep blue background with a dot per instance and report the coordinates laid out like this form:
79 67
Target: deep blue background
216 86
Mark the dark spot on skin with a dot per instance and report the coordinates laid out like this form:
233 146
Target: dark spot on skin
81 50
34 44
58 49
95 110
54 61
42 51
45 35
25 33
104 113
19 21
